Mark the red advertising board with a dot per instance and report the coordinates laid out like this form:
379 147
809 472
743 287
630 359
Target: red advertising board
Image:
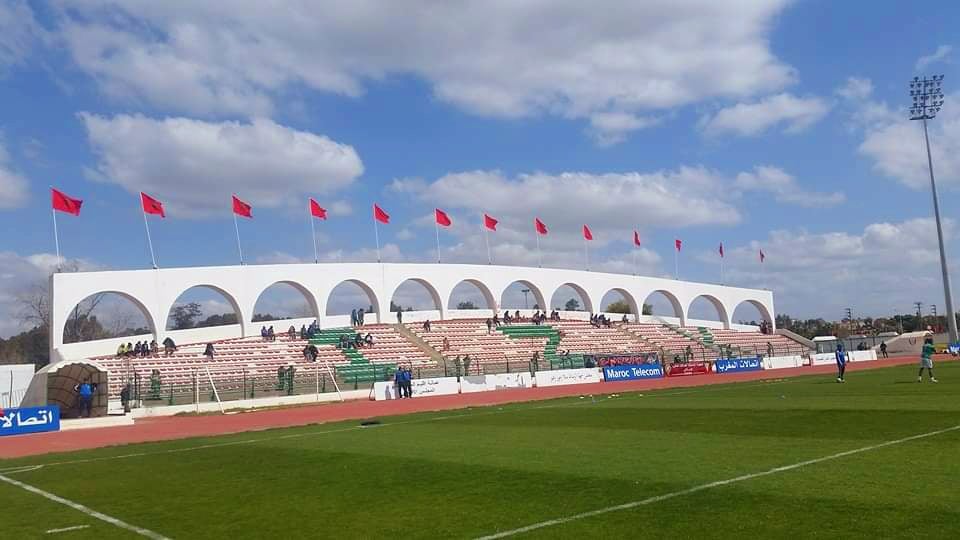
692 368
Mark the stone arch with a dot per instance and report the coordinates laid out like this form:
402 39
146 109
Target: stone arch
587 301
678 310
481 286
724 317
538 298
367 289
431 290
631 301
762 309
305 292
151 323
241 318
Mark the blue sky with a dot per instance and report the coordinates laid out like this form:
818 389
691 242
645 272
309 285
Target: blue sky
770 124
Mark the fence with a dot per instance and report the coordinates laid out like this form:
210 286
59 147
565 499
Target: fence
11 399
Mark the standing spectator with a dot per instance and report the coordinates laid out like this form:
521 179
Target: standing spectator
446 342
426 325
841 356
496 319
399 317
292 332
125 398
516 316
169 347
408 381
209 351
489 326
398 386
155 383
354 319
85 392
303 331
926 360
360 315
883 349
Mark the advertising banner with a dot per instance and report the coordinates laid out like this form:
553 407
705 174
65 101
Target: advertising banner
29 420
561 377
622 359
630 373
438 386
734 365
691 368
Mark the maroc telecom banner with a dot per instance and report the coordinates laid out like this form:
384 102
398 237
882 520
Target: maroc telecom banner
630 373
29 420
691 368
733 365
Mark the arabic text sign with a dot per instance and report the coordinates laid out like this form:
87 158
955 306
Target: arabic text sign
562 377
692 368
733 365
29 420
629 373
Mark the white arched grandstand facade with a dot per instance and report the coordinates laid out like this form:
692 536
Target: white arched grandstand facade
156 291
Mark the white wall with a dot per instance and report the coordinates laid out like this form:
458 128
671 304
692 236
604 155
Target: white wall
14 381
156 291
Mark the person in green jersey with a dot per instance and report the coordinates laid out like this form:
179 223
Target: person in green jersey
926 360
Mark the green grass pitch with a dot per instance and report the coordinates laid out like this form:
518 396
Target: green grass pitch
474 472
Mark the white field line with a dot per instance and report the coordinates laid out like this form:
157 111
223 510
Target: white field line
86 510
718 483
68 529
480 412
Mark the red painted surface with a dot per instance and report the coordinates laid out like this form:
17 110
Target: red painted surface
179 427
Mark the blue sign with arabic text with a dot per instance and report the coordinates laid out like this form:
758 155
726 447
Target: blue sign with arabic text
632 372
29 420
733 365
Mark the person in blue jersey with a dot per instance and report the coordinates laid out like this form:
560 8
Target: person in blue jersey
85 391
841 362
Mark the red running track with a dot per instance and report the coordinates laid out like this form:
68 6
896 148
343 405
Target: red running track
180 427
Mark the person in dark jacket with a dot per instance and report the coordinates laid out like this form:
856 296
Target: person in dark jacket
398 385
169 347
209 351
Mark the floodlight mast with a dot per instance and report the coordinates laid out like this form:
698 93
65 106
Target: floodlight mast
927 94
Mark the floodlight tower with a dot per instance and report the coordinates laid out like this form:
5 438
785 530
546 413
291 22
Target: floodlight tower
927 94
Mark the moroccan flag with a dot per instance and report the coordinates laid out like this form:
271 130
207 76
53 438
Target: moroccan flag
65 204
762 256
636 238
490 223
380 215
241 208
316 210
541 228
721 250
678 243
587 235
151 205
442 218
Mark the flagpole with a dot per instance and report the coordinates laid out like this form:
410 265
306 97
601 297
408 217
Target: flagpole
539 258
722 281
237 229
486 237
436 229
376 235
149 240
313 233
586 254
636 270
676 262
56 240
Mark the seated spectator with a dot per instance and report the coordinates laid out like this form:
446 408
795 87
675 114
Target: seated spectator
263 333
169 347
310 353
270 335
368 339
516 316
357 341
137 349
121 350
292 332
154 348
496 320
209 351
506 317
624 319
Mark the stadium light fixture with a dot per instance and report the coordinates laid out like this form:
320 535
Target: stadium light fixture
927 95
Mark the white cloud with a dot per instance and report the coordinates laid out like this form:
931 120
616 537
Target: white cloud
819 274
195 166
404 234
609 128
856 88
785 188
18 32
940 55
340 208
506 59
14 188
794 113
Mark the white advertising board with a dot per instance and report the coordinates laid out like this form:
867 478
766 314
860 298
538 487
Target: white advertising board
438 386
562 377
510 380
781 362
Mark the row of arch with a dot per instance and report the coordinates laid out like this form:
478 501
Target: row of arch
667 304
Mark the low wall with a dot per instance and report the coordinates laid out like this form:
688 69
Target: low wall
782 362
275 401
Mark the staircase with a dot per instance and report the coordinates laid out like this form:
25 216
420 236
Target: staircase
703 336
532 331
359 369
410 336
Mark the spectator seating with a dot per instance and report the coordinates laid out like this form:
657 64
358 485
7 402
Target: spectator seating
470 337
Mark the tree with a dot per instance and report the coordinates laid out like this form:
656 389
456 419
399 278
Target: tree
647 309
572 305
466 305
619 306
218 320
184 315
395 307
